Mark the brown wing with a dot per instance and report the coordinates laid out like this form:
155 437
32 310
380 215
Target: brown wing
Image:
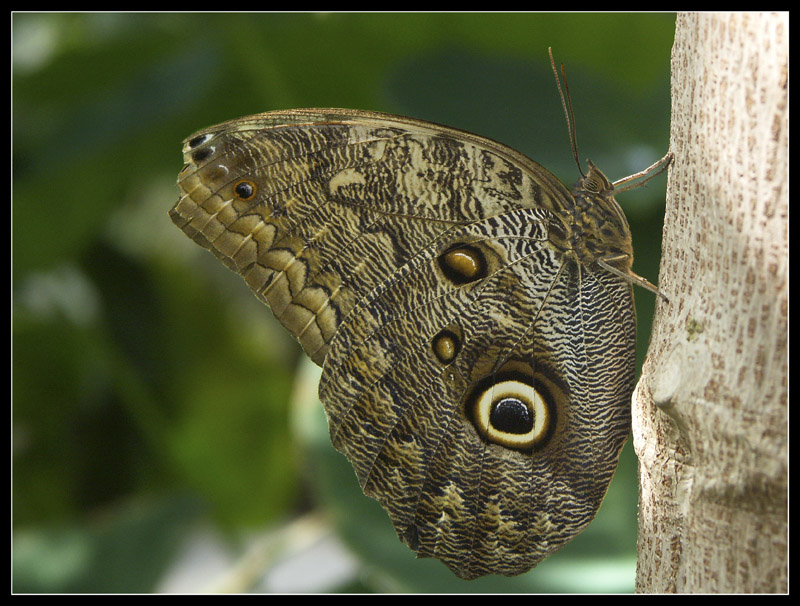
323 182
476 373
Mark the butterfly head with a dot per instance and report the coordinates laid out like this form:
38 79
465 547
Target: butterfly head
600 229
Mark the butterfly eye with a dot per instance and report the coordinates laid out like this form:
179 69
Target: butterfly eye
592 185
245 190
462 264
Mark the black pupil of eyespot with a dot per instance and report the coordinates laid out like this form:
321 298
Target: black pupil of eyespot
245 190
511 416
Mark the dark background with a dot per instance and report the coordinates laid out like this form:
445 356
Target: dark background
159 427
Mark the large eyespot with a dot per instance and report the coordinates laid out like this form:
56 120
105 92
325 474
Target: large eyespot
514 414
245 190
517 408
463 263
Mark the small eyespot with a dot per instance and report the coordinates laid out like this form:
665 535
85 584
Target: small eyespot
203 154
199 140
462 264
245 190
446 345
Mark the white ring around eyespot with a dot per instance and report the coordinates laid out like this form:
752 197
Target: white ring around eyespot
520 391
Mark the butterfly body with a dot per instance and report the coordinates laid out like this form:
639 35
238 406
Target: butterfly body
477 352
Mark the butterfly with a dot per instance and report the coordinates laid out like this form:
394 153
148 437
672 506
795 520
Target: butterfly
473 317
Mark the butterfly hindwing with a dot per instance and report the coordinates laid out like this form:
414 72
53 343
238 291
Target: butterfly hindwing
402 415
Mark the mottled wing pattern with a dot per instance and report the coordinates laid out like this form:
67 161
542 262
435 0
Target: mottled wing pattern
432 273
399 414
342 200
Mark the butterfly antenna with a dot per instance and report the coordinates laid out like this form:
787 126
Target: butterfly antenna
569 114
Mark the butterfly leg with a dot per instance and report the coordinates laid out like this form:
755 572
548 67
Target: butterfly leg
606 264
661 165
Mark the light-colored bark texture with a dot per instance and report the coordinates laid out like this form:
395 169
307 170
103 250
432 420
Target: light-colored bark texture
710 411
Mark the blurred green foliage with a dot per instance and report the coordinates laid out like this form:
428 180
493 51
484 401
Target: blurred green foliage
150 390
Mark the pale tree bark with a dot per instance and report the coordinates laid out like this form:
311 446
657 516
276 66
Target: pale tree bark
710 411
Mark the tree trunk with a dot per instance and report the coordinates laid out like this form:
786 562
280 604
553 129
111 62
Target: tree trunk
710 411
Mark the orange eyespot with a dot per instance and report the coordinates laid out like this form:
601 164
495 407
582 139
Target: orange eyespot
245 190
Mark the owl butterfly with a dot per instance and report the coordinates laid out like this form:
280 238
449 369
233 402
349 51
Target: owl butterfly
473 317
